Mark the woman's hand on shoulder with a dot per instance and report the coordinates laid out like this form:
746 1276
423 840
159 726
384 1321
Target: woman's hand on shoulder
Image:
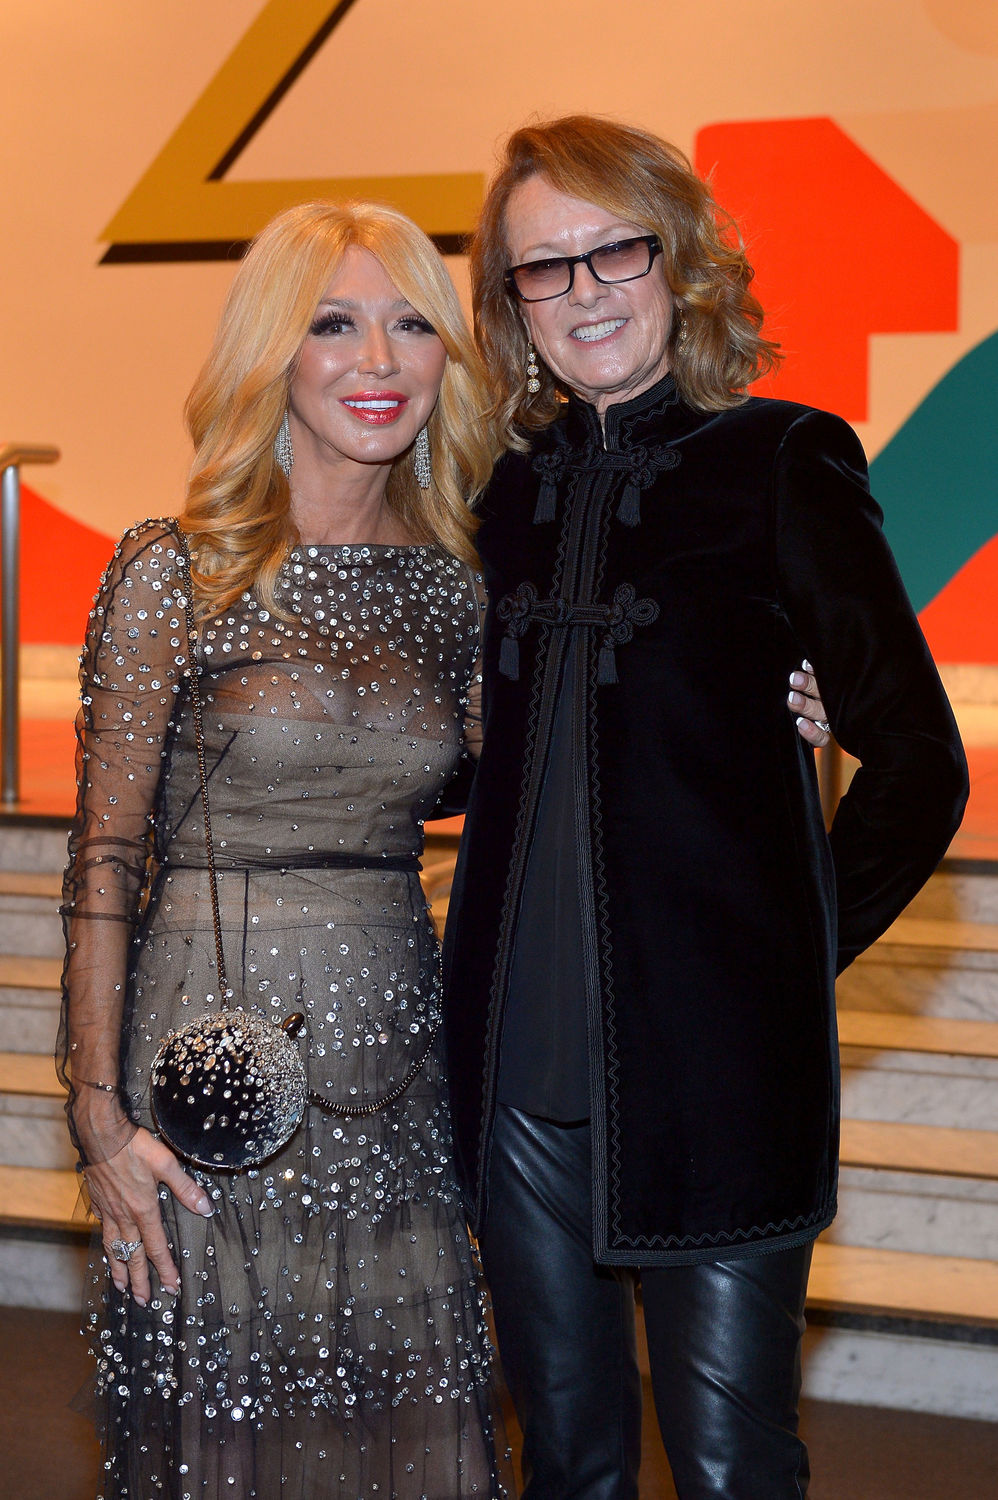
804 700
124 1193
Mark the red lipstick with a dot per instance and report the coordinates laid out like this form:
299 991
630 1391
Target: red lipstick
377 408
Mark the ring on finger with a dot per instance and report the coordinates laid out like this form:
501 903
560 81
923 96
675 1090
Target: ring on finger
123 1250
823 725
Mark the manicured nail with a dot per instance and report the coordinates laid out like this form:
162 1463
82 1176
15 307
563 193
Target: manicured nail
142 1301
204 1206
807 665
120 1286
802 721
796 700
798 679
174 1291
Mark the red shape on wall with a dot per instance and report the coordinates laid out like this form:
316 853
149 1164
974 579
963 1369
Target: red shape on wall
961 623
840 250
61 564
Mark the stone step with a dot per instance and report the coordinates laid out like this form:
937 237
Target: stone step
41 1198
940 958
954 891
30 924
922 982
912 1178
22 972
36 844
29 1073
902 1187
29 1003
44 1238
844 1278
917 1211
948 935
33 1130
911 1331
918 1088
847 1278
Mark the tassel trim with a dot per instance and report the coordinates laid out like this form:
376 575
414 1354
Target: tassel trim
509 658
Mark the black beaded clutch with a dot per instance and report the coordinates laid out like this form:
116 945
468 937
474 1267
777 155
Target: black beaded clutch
228 1088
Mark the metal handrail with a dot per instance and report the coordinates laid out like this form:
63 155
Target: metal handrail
12 456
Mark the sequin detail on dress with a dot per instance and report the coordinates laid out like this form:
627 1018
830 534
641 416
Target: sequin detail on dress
329 1336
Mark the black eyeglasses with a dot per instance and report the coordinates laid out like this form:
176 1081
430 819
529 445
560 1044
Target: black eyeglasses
624 260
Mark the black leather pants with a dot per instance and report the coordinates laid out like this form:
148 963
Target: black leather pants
724 1341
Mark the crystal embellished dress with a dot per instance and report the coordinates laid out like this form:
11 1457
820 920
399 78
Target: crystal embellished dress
329 1338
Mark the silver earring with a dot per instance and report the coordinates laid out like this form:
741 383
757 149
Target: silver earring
421 460
533 372
683 333
283 451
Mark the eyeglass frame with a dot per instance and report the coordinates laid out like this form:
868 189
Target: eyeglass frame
653 242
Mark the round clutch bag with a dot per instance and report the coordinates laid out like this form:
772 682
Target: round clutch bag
229 1088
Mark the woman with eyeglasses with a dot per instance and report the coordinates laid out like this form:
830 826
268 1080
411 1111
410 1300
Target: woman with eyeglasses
647 921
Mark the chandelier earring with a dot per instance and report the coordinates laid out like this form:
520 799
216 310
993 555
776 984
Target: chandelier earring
533 372
283 451
684 333
421 466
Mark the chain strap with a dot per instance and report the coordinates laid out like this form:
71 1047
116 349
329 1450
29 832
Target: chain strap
192 677
296 1022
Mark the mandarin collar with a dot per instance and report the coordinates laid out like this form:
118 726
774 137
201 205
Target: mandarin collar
641 416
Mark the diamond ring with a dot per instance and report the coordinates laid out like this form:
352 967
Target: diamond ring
823 724
123 1250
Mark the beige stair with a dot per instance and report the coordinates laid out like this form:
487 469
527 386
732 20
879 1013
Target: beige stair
28 1073
895 1283
934 933
892 1146
30 973
901 1033
903 1298
41 1198
875 1310
20 883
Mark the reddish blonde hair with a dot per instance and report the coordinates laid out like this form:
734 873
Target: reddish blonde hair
647 182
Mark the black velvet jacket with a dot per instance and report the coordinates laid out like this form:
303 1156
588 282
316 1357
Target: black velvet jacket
703 555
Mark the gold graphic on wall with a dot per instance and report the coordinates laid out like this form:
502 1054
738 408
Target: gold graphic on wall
184 209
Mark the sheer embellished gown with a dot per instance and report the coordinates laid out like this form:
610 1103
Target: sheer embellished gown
329 1336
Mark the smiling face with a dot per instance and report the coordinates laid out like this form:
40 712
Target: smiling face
605 343
368 376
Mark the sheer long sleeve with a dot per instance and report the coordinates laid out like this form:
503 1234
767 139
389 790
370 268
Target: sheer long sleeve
131 669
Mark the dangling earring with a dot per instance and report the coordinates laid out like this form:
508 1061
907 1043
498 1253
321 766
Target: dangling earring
421 460
533 372
283 451
683 333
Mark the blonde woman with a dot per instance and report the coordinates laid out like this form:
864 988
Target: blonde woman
313 1326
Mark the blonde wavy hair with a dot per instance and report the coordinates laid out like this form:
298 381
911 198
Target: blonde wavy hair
237 509
646 182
